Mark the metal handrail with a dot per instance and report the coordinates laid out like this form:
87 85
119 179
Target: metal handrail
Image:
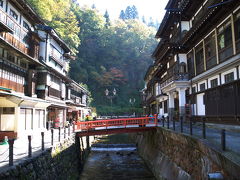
89 125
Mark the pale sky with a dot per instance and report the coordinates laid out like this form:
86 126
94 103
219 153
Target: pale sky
148 8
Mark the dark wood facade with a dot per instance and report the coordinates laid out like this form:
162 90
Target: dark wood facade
199 52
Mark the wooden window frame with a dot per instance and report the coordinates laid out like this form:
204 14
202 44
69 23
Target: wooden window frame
214 83
222 33
14 14
210 41
199 62
229 77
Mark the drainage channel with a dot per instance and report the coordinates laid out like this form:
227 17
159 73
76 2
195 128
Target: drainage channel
115 162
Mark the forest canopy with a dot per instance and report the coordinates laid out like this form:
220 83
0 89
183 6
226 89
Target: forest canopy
109 54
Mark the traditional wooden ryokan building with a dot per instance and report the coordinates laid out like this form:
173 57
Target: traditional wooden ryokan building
196 67
34 85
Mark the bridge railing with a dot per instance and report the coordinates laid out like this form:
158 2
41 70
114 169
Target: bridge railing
121 123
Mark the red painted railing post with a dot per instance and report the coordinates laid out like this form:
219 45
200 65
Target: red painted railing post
125 123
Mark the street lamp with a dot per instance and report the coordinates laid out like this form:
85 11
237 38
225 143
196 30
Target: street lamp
109 96
132 101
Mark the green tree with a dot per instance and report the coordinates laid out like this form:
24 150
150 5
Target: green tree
151 23
122 15
128 13
59 15
143 19
134 12
116 57
107 19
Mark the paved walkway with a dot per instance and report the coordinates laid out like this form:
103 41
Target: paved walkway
213 136
20 147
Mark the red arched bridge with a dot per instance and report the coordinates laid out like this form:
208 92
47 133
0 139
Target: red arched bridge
115 126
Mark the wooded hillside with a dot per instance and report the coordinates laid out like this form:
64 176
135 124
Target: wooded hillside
110 54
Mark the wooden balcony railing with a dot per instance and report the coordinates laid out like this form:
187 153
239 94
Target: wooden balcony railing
20 33
200 67
225 53
210 62
57 57
13 41
54 92
238 45
175 77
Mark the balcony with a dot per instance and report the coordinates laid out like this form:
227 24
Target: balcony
57 57
3 23
174 77
14 42
17 36
54 93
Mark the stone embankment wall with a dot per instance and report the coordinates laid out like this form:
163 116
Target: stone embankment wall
63 161
175 156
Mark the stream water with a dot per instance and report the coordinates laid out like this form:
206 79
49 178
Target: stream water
115 158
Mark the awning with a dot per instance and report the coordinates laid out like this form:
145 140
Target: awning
25 101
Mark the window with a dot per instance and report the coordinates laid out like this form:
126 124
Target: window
237 29
23 64
13 14
229 77
17 31
190 64
193 90
214 83
165 107
210 51
39 118
26 39
199 58
1 3
8 110
10 57
27 118
202 87
26 26
225 40
160 105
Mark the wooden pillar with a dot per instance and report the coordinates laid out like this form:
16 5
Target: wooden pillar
216 43
233 35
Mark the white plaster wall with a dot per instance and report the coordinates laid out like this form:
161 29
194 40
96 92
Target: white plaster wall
56 45
4 5
52 64
17 12
24 19
185 25
63 90
42 51
182 58
7 122
194 109
200 105
55 85
21 123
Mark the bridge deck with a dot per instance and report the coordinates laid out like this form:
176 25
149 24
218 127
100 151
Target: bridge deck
113 126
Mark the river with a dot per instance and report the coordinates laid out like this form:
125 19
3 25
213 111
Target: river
115 157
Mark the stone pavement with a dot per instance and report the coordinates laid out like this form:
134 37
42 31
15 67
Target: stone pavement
20 146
